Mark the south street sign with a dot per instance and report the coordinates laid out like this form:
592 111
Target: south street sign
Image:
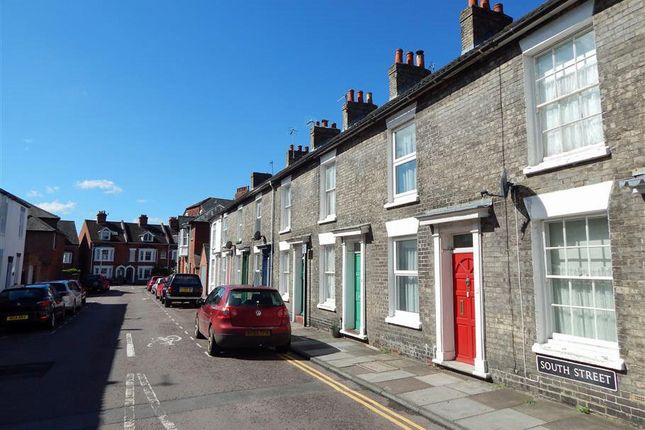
577 372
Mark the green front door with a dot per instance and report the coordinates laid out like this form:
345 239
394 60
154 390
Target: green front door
357 290
245 269
302 287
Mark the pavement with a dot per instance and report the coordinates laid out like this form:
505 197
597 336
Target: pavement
446 398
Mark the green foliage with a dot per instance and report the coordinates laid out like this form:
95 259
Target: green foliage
583 409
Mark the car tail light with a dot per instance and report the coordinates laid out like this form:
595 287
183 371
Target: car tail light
170 290
226 314
44 304
199 292
284 316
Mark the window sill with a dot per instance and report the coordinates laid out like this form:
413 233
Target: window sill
286 230
327 220
569 158
327 307
414 198
597 356
404 322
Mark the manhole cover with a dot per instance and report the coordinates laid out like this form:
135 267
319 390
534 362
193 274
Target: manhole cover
27 370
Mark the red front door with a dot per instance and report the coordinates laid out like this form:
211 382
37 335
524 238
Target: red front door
464 288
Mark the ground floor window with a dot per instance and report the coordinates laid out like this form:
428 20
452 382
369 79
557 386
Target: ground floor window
144 273
327 276
257 269
284 273
406 288
103 270
222 270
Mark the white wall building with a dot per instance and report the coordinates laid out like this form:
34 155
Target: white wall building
13 229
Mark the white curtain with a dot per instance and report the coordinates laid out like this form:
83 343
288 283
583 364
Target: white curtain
406 280
406 177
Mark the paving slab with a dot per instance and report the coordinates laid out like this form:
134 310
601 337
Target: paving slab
473 387
346 362
438 379
385 376
377 366
585 422
315 352
336 356
431 395
421 370
503 419
403 363
545 410
458 408
397 386
500 399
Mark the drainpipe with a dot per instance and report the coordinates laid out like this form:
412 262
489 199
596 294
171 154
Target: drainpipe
270 269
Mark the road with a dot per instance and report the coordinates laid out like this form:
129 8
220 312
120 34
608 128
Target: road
125 362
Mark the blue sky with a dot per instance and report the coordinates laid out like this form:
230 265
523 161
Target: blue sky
148 106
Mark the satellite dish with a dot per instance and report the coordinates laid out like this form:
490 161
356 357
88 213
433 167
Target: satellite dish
504 185
229 244
257 235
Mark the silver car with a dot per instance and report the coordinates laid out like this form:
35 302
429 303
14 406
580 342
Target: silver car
71 293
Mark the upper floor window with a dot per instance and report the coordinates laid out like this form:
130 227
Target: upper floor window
173 255
132 254
147 237
67 258
183 241
285 206
21 227
258 214
240 223
328 187
224 229
105 234
404 160
103 254
147 255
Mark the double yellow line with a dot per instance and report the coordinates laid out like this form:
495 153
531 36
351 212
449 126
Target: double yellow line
398 420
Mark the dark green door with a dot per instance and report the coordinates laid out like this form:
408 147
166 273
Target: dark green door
245 269
302 287
357 290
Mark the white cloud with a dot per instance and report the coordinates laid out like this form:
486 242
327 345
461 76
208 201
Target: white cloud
142 201
151 220
57 207
34 193
109 187
52 189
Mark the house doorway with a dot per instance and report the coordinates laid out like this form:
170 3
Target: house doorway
299 282
464 306
129 275
354 288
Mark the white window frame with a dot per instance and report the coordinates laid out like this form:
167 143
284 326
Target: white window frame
257 268
285 210
571 24
67 257
327 293
173 255
285 273
240 223
395 123
103 270
147 237
100 251
132 255
105 234
163 255
590 200
145 258
400 230
258 214
327 161
224 229
144 272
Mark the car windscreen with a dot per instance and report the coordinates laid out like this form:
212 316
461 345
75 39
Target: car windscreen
23 294
254 297
61 288
186 281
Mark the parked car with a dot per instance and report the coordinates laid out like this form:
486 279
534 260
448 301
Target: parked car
241 317
152 281
182 287
96 283
160 287
76 287
71 297
37 303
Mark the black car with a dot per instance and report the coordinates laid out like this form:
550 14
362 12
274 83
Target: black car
38 303
96 283
182 287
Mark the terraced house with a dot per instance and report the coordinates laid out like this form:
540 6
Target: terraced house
487 218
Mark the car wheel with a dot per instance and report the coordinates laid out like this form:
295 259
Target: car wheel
198 334
283 348
213 349
167 303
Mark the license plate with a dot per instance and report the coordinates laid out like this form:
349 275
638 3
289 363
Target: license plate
258 333
185 290
18 317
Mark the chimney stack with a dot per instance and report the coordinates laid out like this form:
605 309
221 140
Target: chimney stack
321 134
101 217
173 223
404 75
257 178
480 23
354 111
241 191
294 155
143 220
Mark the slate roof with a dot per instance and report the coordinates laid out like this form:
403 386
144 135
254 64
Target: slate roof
40 220
162 233
37 224
68 228
15 198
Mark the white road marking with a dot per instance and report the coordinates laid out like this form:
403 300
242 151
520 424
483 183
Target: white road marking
167 340
130 345
198 345
128 407
186 332
154 403
181 328
207 354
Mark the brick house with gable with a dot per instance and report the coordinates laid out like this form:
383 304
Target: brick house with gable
487 218
127 252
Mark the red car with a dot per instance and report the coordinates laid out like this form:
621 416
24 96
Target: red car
243 316
159 288
151 282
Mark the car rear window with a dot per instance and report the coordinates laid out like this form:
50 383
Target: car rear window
252 297
23 294
61 288
186 281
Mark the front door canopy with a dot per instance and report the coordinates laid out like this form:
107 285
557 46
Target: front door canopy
357 230
460 212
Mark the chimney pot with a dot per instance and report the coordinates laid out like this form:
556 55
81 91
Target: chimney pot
350 95
333 125
472 3
409 57
300 148
291 147
317 122
306 149
359 96
420 59
369 98
398 56
499 8
485 4
325 122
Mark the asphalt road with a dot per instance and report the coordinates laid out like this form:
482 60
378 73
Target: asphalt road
125 362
